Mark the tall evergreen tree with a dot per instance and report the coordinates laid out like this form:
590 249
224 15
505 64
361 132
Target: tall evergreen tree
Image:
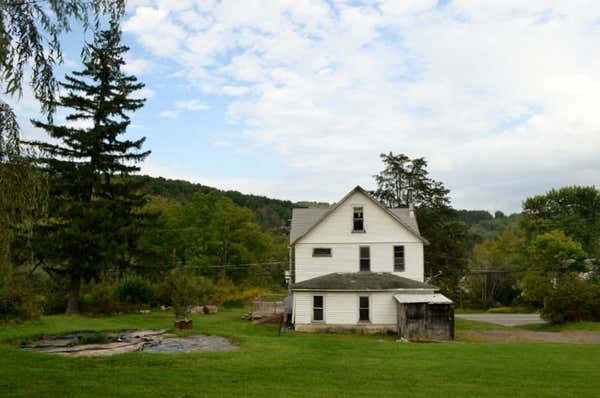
94 218
406 181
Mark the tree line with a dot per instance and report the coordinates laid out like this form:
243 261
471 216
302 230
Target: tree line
78 226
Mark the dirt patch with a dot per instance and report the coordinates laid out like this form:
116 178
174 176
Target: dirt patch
105 344
528 336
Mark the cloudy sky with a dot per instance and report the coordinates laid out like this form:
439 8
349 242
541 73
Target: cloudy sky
296 99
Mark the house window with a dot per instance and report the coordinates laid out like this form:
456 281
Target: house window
317 308
398 258
365 258
363 309
321 252
358 220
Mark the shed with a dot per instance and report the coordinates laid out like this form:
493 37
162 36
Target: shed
425 317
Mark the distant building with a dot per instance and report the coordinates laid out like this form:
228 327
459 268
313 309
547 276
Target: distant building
358 265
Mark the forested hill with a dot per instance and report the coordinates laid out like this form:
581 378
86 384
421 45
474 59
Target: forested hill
274 214
486 225
271 213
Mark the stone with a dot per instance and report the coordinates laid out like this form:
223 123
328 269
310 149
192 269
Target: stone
132 341
198 309
211 309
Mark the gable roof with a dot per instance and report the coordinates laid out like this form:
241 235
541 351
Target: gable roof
360 281
305 220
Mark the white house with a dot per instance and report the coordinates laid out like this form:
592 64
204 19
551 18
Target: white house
359 265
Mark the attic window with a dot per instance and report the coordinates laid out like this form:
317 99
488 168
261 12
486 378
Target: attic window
321 252
358 220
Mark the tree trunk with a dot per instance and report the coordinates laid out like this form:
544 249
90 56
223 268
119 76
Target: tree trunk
74 287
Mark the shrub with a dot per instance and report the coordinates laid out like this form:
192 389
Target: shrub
572 299
100 298
18 302
184 291
134 289
238 298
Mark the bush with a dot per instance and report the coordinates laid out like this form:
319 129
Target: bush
18 302
238 298
133 289
184 291
572 300
100 299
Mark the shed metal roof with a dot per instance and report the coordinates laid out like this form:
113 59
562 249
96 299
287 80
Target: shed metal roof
360 281
429 298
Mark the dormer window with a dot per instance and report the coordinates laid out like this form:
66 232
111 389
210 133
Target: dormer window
358 221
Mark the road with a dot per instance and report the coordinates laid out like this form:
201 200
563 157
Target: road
503 319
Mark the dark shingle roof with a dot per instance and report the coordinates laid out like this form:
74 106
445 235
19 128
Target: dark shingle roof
303 219
360 281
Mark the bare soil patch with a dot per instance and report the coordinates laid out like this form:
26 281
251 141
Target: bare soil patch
528 336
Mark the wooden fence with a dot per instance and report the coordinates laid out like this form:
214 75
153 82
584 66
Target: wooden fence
267 306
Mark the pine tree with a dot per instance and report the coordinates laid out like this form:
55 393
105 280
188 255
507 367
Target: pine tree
94 217
406 181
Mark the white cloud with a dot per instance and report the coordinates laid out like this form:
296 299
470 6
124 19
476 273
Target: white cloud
168 114
500 96
137 66
181 106
144 92
191 105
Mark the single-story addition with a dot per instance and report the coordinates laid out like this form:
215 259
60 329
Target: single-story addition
358 265
373 302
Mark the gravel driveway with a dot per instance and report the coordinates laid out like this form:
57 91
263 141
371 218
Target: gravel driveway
504 319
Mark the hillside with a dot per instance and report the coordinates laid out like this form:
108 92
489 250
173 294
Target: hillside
485 225
275 214
272 214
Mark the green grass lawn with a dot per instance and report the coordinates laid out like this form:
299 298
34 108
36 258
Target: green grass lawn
294 365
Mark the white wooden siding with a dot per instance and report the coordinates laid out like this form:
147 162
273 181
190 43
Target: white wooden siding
345 258
382 233
341 308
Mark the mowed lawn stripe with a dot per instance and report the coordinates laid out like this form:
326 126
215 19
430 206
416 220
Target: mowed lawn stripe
293 365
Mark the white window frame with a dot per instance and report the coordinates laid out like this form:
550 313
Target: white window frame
360 247
364 227
312 308
368 296
403 257
327 248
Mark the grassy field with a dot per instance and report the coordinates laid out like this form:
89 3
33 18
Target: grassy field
294 365
567 327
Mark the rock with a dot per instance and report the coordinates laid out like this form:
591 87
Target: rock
131 341
198 309
210 309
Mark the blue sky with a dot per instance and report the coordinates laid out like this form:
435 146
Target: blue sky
296 99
